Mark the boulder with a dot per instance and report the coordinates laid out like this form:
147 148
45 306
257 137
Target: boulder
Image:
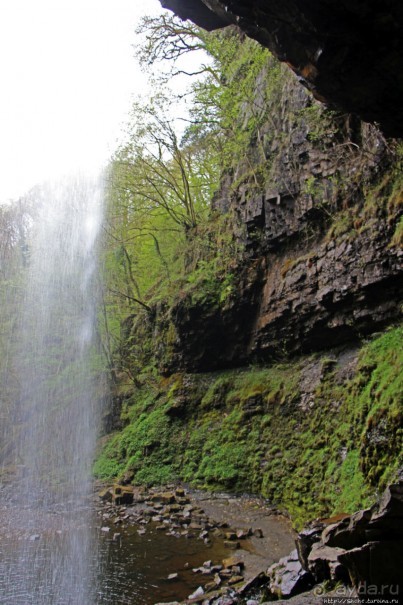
365 548
306 539
199 592
349 532
288 578
324 563
122 495
253 584
106 495
375 564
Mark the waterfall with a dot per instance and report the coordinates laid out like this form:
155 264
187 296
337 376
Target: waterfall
47 550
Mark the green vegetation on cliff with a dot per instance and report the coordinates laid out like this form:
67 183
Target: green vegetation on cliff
262 179
316 436
162 239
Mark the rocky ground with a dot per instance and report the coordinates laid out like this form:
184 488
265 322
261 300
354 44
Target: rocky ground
254 533
363 549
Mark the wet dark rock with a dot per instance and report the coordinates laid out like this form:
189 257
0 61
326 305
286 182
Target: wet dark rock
122 495
231 544
197 11
106 494
225 574
337 302
365 548
375 564
300 287
306 539
324 563
288 578
254 583
331 46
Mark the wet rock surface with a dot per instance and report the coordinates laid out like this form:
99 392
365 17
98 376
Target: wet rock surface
288 577
253 533
353 552
346 53
334 297
364 549
319 270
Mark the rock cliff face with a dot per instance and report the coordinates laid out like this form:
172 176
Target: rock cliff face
317 201
347 52
313 200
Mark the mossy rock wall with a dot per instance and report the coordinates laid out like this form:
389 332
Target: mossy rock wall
316 436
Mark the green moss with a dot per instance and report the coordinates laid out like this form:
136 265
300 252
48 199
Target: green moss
108 465
397 238
353 492
377 200
247 430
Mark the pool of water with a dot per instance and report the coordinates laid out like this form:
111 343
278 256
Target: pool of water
128 569
135 568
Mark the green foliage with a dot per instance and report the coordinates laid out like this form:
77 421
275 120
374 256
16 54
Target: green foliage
247 430
146 446
227 108
319 122
162 243
380 405
353 492
107 465
381 200
397 238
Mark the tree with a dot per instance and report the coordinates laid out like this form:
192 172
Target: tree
166 40
160 235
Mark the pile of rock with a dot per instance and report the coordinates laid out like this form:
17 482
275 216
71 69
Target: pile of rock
230 572
364 550
169 511
173 512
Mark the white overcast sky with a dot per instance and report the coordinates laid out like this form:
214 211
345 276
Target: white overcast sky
67 72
